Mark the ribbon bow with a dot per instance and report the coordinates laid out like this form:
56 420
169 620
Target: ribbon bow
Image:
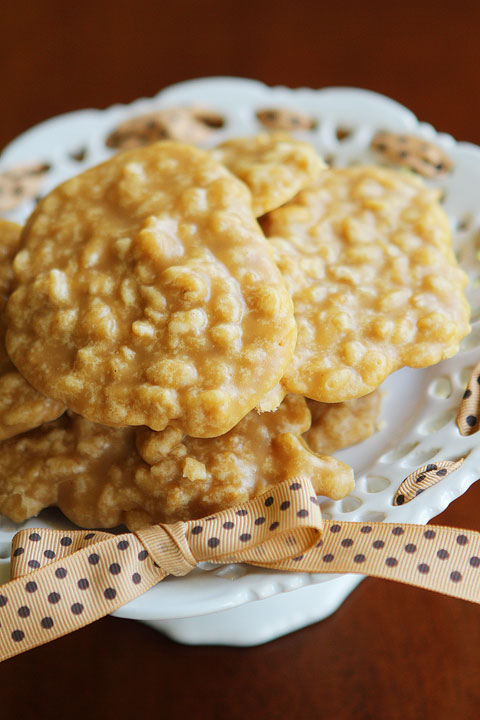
65 580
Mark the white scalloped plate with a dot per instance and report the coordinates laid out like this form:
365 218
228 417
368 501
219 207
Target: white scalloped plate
419 406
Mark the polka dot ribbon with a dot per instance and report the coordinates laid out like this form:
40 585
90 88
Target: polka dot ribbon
423 478
468 417
62 581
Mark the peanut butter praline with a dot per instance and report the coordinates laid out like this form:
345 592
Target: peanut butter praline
147 294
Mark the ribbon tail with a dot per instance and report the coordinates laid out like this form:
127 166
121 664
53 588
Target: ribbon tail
468 416
73 591
437 558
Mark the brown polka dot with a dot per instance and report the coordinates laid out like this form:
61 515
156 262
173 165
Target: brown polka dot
335 528
285 505
60 573
420 478
366 529
46 623
228 525
391 562
423 568
443 554
471 420
359 558
53 598
197 530
274 525
295 486
24 611
328 558
242 513
462 539
398 531
400 499
455 576
123 545
136 578
347 542
474 561
259 521
34 537
429 534
269 501
89 536
315 500
115 569
410 548
319 544
142 555
431 467
467 394
31 586
19 551
18 635
110 593
213 542
93 559
245 537
442 472
66 541
34 564
302 513
83 584
378 544
77 608
49 554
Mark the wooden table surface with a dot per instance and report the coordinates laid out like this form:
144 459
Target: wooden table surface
390 651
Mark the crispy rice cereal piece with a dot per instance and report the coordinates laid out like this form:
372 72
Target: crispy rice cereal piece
97 478
339 425
193 125
368 259
275 167
21 406
147 293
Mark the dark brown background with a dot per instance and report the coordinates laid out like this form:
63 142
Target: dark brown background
390 651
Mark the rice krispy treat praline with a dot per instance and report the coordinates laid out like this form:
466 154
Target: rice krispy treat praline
339 425
70 451
147 293
21 406
96 477
366 253
275 167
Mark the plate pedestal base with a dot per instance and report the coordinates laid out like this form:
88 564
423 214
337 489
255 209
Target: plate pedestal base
261 621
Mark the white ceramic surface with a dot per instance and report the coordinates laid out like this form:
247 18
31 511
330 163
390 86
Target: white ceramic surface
242 605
